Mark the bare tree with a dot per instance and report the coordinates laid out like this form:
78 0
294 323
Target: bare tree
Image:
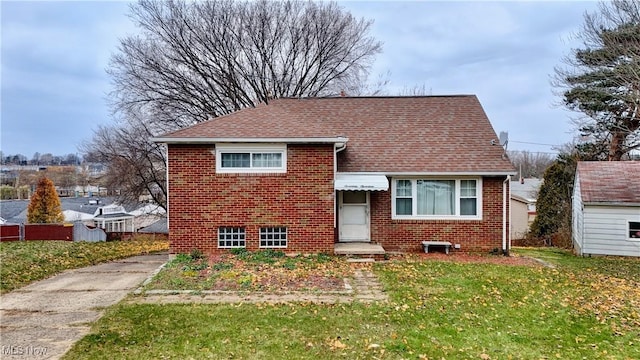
198 60
193 61
416 90
530 164
602 80
136 166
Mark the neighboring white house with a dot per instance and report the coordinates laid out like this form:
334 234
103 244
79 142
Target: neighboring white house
114 218
73 216
606 208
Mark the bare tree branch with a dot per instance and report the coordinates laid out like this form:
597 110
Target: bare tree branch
193 61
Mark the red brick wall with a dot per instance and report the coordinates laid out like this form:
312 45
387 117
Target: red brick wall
200 200
473 236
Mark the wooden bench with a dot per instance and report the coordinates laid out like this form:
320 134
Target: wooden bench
426 244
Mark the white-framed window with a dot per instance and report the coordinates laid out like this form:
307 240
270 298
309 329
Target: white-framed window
634 230
273 237
251 158
436 198
231 237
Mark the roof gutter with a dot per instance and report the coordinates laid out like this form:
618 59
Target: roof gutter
212 140
453 173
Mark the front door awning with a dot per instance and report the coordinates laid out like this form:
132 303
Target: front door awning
361 182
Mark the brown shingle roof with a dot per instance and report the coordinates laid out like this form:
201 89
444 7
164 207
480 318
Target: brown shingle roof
609 181
438 134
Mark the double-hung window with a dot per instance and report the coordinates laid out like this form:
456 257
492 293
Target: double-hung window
424 198
251 158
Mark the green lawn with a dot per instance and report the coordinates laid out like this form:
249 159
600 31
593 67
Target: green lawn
438 310
22 262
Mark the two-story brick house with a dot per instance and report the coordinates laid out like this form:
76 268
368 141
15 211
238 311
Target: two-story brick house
304 174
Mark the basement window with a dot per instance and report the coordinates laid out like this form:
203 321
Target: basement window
273 237
634 230
231 237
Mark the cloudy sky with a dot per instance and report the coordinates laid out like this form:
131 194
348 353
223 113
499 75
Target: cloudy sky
54 56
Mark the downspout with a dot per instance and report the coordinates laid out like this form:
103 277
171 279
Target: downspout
166 167
505 249
338 147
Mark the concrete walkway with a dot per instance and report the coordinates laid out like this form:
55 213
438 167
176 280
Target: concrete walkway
43 320
364 287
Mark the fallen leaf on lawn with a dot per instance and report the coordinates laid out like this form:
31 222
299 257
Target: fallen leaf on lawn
337 344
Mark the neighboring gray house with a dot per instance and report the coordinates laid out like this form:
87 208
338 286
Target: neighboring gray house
524 194
606 208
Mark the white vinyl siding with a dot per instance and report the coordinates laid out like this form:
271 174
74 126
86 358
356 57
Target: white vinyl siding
577 217
606 230
251 158
603 229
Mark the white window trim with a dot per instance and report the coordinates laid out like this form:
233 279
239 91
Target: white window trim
244 232
286 239
414 205
251 149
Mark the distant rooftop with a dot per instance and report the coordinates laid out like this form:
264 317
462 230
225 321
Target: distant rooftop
527 189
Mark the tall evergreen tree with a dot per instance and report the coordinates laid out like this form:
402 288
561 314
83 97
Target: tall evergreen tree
602 80
44 207
553 206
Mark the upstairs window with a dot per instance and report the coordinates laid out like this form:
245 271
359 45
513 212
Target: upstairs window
263 158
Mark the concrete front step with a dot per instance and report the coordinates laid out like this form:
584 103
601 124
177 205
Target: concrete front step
359 250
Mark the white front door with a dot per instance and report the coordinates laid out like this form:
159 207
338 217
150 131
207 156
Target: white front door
354 216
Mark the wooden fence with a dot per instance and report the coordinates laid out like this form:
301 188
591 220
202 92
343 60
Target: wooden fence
67 232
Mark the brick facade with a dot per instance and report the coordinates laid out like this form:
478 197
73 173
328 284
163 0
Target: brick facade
201 201
473 235
302 200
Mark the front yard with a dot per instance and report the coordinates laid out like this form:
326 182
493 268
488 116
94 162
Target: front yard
23 262
264 271
584 308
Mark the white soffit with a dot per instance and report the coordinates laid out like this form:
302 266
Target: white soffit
362 182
